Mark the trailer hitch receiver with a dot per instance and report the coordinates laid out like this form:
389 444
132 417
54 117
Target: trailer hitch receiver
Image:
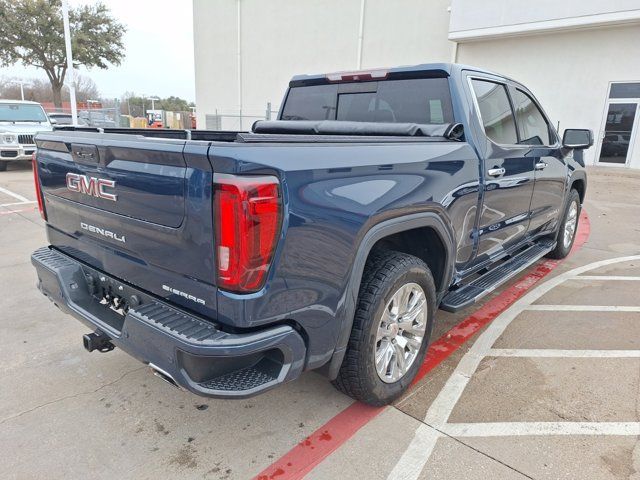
97 340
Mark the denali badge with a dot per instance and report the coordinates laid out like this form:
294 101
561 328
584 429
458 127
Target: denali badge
103 232
183 294
91 186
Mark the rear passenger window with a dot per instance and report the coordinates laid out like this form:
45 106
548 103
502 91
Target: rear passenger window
496 113
534 129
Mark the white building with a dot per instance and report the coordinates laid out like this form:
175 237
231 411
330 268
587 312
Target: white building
580 57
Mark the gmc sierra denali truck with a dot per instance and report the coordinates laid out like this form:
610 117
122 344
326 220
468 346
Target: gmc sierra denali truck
231 262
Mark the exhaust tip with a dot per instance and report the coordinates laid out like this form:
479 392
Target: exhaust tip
161 374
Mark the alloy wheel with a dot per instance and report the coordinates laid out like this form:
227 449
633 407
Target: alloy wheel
570 224
401 332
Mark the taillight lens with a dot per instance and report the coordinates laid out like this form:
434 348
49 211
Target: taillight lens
248 211
36 180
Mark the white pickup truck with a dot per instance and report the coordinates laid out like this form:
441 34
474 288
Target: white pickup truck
20 120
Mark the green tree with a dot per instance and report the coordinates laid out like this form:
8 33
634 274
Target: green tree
31 33
136 105
173 104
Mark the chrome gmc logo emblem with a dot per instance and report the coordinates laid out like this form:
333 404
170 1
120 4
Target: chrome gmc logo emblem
91 186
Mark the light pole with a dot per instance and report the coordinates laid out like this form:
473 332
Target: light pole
70 72
153 102
22 84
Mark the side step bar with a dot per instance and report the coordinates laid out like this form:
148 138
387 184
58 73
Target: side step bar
471 292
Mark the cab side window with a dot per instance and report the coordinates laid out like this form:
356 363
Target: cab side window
533 127
495 110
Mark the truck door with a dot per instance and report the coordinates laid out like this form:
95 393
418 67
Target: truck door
550 170
507 170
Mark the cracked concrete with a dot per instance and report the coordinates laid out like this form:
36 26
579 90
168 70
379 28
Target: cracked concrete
67 397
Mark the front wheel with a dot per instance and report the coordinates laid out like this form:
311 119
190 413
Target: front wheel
3 166
391 328
568 227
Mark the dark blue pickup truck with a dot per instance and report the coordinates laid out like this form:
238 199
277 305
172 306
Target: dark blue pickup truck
231 262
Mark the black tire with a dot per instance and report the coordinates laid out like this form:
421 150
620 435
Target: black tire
562 249
3 166
383 276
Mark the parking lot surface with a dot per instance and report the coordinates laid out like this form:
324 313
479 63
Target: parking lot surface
540 380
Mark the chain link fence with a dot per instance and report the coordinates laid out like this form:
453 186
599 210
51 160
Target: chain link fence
238 120
92 117
112 116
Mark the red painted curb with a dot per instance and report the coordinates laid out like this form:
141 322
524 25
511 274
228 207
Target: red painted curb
304 457
307 454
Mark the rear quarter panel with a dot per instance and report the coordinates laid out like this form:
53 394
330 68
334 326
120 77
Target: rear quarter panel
333 195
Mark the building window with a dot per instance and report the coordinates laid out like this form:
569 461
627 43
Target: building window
495 109
625 90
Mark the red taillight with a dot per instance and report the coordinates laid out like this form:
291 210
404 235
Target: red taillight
36 180
248 212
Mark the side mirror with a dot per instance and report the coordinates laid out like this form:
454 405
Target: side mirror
53 121
577 138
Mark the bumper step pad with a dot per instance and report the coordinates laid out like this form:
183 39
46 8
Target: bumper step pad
471 292
174 322
241 380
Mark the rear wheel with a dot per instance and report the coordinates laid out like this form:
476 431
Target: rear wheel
391 328
568 227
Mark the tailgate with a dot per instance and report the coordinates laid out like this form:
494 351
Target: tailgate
138 208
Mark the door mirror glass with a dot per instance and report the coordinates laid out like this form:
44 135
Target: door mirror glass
577 138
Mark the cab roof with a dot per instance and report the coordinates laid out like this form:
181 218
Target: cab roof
26 102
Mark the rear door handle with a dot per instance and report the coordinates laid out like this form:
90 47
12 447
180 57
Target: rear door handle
496 172
541 165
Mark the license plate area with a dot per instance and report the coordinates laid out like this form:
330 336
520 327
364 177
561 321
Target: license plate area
111 298
115 303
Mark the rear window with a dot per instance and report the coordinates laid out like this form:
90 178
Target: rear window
421 100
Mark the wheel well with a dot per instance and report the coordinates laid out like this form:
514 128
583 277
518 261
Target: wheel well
578 185
424 243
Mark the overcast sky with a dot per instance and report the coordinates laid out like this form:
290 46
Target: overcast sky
159 51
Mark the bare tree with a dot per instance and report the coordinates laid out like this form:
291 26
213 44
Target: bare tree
39 90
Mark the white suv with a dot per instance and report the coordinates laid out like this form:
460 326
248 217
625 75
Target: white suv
19 122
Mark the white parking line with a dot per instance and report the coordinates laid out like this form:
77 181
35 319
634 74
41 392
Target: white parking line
17 196
607 277
584 308
13 204
508 429
553 353
411 463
